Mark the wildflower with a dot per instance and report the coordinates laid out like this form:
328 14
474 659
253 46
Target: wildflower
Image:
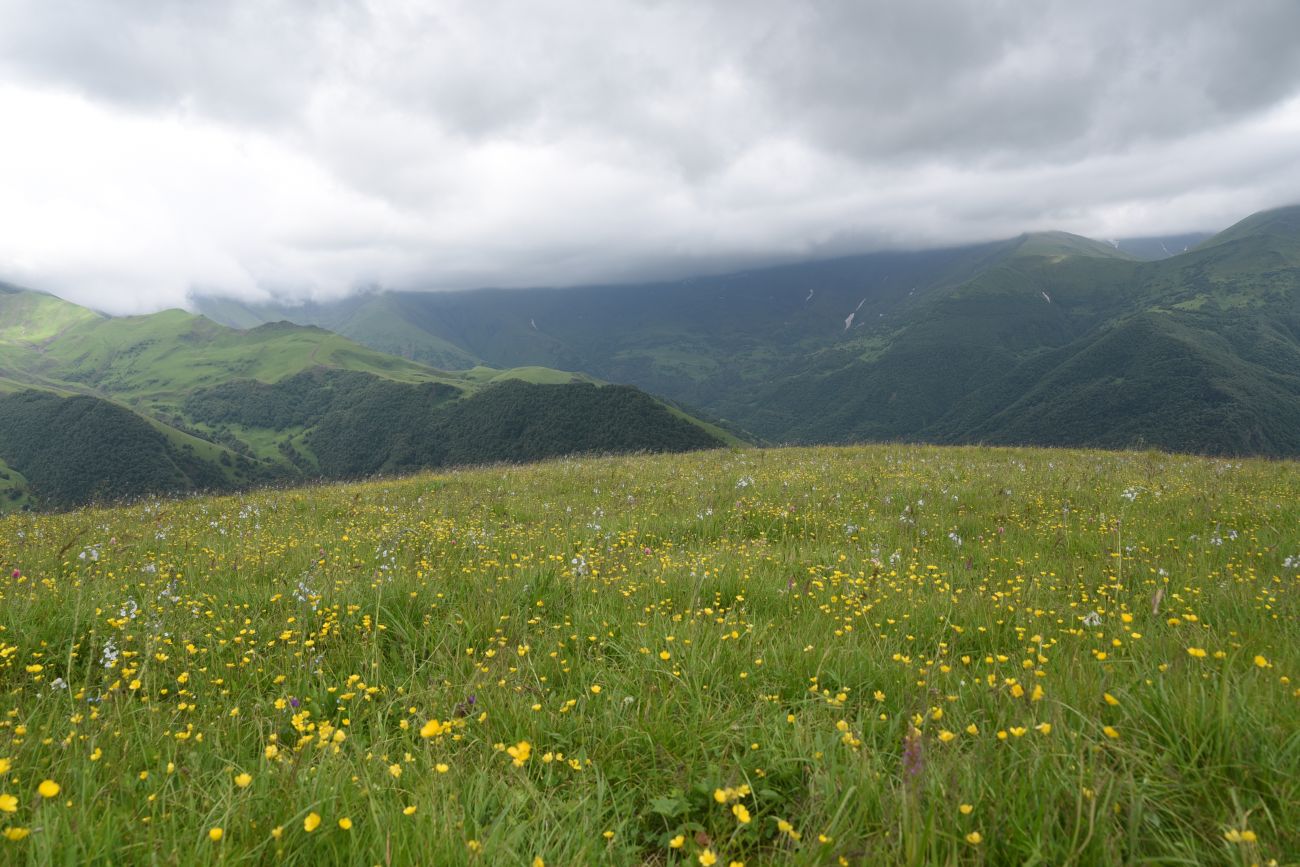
965 809
13 835
243 780
1197 652
742 815
277 832
1110 699
8 803
409 811
442 767
595 689
1110 732
520 753
1261 661
345 823
311 823
677 842
433 728
1243 836
974 838
1044 728
49 788
707 858
215 834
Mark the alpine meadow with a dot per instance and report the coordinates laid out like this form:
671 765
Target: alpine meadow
544 433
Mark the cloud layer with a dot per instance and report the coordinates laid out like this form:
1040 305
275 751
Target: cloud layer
305 149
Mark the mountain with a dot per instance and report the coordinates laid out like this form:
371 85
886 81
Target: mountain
1046 338
94 407
1160 247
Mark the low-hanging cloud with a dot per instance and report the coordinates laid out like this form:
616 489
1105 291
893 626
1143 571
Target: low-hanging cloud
306 149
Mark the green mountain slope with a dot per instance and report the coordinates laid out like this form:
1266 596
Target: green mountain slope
1015 341
94 407
1198 352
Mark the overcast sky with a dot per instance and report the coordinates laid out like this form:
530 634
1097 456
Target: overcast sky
149 149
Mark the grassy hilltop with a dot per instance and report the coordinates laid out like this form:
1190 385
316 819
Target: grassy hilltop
879 655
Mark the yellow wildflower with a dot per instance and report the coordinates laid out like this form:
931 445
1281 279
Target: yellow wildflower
520 753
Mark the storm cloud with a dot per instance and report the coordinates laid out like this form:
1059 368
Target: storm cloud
303 149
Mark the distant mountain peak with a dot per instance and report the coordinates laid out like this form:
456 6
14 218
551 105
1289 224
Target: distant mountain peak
1056 243
1284 221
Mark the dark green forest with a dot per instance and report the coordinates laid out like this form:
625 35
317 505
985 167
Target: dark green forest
359 425
76 450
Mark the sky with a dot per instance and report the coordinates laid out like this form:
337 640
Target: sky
295 149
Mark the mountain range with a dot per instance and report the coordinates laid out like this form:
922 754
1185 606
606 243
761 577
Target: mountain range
1047 338
1189 343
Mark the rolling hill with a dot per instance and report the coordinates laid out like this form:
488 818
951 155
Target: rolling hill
1047 338
95 407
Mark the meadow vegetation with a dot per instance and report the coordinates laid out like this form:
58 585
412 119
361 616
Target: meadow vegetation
881 655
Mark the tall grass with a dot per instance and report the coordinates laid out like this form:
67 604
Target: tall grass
883 655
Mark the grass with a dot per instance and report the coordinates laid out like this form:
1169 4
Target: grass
538 375
884 655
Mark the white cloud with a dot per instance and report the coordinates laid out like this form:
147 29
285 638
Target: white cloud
308 148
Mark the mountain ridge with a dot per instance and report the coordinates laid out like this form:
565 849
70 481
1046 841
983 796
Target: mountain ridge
881 346
95 406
